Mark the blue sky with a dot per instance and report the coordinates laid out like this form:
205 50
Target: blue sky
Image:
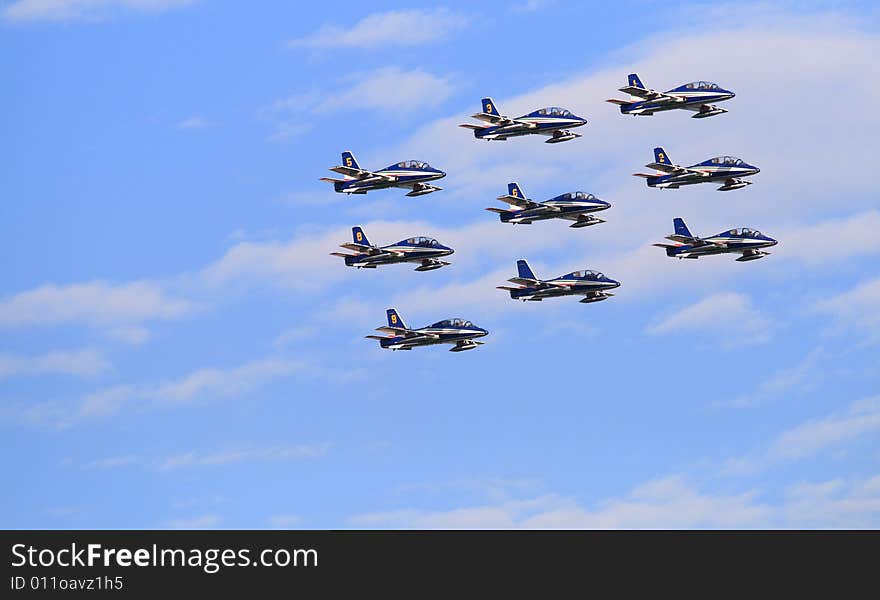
180 350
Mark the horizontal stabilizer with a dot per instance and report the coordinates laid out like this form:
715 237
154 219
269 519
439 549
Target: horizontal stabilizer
524 281
357 247
331 180
617 101
471 126
500 211
664 167
376 337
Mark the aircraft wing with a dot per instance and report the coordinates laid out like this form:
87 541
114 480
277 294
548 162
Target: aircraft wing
521 202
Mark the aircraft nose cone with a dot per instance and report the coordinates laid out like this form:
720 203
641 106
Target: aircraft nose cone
614 283
772 241
731 95
449 250
757 170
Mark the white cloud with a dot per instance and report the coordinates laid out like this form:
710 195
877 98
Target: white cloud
69 10
285 521
835 503
224 382
112 462
392 28
793 379
93 303
858 308
833 239
669 503
197 385
194 122
241 455
389 89
206 521
814 436
728 315
532 5
810 438
86 362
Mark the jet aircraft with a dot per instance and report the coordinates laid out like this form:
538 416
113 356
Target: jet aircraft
459 332
696 96
572 206
725 169
551 121
590 284
423 250
412 174
745 241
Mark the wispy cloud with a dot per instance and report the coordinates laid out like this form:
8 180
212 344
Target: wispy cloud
94 303
858 309
197 385
391 90
669 502
241 455
71 10
811 438
285 521
206 521
730 316
86 362
392 28
194 122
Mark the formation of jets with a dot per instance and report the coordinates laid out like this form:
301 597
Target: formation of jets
727 169
573 206
423 250
696 96
552 121
555 123
745 241
591 285
412 174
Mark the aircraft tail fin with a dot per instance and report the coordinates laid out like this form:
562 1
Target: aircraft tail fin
634 81
394 319
359 237
489 107
514 190
525 271
348 160
661 157
681 228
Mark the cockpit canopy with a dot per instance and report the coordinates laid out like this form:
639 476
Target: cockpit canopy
727 160
578 196
588 274
411 164
745 232
457 323
422 241
554 111
702 85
